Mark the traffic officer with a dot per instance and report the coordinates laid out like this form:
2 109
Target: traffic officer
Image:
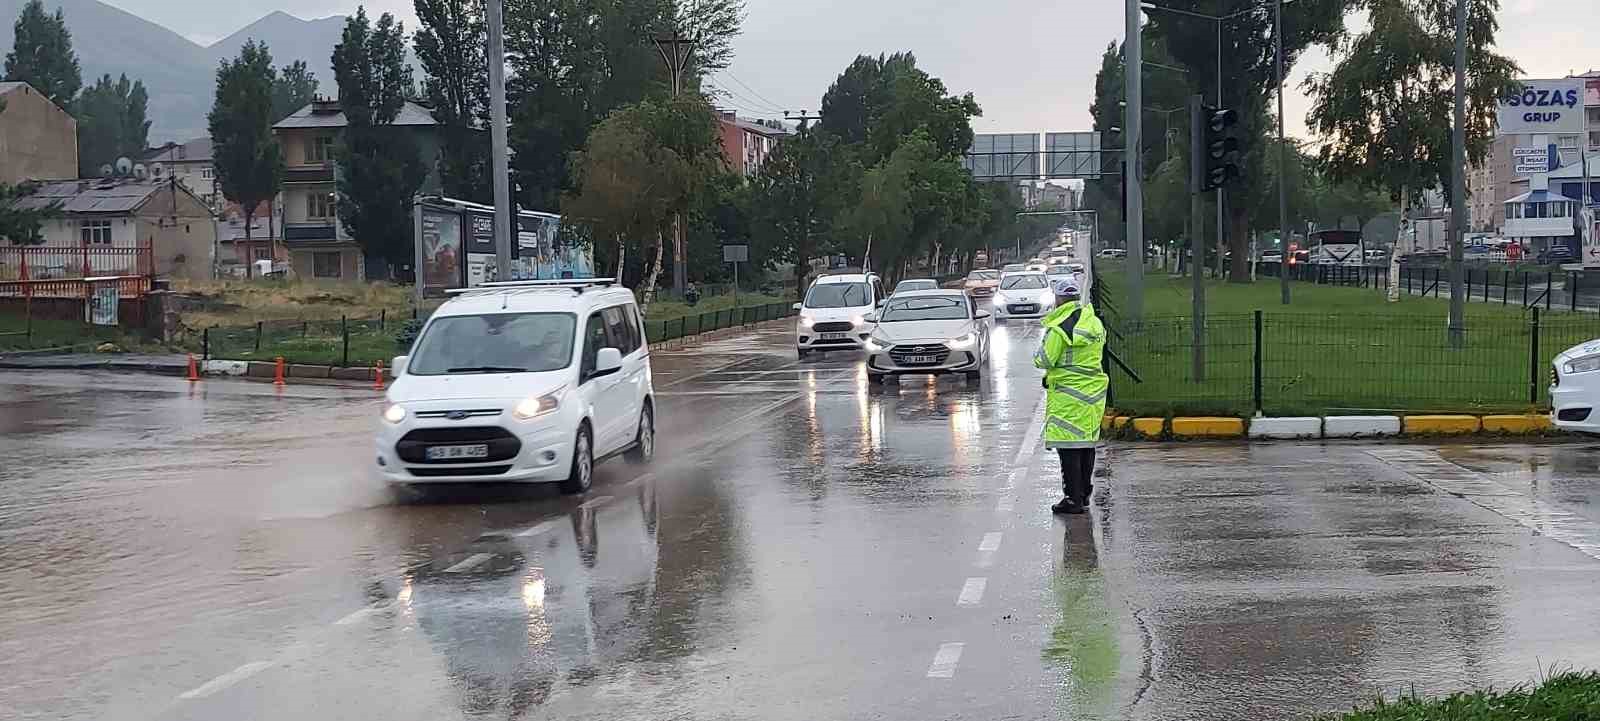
1075 385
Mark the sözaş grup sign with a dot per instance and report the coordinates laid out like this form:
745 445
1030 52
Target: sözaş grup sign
1543 106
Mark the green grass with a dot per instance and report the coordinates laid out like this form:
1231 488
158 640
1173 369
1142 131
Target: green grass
1568 696
1333 350
14 335
667 309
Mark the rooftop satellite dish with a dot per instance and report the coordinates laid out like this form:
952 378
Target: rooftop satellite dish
140 172
124 166
105 170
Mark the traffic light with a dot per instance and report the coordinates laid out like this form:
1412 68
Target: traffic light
1221 147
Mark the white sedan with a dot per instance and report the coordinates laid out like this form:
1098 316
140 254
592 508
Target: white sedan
1575 388
928 331
1023 295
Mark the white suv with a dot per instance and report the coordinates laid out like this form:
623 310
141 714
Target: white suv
521 381
834 314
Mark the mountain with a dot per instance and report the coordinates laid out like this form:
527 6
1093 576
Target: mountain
179 74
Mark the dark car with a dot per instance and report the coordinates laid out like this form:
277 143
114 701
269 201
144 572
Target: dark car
1556 254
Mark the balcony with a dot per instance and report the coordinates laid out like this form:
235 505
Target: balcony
308 174
310 232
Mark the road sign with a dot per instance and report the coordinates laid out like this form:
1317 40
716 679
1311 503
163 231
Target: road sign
1542 106
1530 160
736 253
1072 155
1003 156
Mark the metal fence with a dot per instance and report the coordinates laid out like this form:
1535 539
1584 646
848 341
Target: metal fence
1574 290
340 342
659 331
46 262
1286 364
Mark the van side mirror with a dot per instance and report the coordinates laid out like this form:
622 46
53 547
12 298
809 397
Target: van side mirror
606 362
869 318
397 367
797 306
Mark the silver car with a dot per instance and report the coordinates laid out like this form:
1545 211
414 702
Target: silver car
928 331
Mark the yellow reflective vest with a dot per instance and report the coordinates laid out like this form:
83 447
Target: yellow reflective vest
1069 355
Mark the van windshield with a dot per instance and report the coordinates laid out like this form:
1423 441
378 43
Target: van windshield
494 343
837 295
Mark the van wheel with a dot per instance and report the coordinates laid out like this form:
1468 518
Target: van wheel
644 441
801 353
582 474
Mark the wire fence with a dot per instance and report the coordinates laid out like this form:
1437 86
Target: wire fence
1572 290
1289 364
660 331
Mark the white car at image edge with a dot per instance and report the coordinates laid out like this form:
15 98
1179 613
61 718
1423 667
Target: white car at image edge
1575 388
530 381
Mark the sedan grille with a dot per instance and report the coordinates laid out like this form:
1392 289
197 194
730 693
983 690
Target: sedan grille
834 327
937 352
413 446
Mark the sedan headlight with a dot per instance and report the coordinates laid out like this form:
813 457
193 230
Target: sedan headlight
999 300
1585 364
965 341
394 413
533 407
878 346
1047 298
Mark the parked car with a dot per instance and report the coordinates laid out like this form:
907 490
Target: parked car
1556 254
1023 295
928 331
1575 388
530 381
833 314
1112 253
1272 256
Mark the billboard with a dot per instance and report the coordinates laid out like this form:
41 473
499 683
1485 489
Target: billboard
440 249
542 252
480 248
1543 107
1071 155
1003 156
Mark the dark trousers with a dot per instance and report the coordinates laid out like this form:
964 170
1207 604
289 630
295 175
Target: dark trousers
1077 474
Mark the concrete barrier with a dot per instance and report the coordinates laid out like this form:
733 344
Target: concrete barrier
1284 428
1149 427
1441 425
260 369
1517 424
1208 427
353 373
299 370
1360 426
224 368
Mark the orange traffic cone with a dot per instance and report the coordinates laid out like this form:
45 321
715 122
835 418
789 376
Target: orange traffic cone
377 382
194 370
277 378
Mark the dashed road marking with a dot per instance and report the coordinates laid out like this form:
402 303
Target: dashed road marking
972 591
990 542
1031 442
1006 504
232 677
356 616
944 662
537 529
597 500
470 562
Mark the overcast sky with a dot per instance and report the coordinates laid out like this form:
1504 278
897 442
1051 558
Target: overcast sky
1031 63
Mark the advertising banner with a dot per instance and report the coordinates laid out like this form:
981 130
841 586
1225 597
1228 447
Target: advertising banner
441 250
1543 106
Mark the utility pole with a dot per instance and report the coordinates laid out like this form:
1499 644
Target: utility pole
1458 194
676 50
1283 150
1132 72
497 141
1196 243
1222 237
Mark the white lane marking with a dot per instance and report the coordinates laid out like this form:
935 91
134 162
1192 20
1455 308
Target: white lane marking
356 616
990 542
1035 429
225 680
1006 504
972 591
643 479
944 662
597 500
473 561
537 529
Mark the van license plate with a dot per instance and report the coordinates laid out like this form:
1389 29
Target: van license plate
835 336
450 453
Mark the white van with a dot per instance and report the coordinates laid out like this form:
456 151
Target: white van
527 381
833 315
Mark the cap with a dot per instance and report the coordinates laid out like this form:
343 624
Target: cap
1066 287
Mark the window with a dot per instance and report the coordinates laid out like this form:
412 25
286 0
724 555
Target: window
325 265
155 171
319 205
594 338
263 253
95 232
494 343
1023 281
633 320
208 173
320 149
946 307
837 295
877 289
624 337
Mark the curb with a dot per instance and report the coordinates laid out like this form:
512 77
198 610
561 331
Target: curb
1328 427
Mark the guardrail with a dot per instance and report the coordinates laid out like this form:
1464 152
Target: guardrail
660 331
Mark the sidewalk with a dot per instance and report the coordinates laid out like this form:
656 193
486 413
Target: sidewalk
163 363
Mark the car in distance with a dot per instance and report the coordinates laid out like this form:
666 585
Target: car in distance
915 284
1112 253
1272 256
1023 295
530 381
1575 388
928 331
833 314
1012 268
981 283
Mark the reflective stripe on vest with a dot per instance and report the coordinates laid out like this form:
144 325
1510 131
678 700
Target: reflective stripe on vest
1080 395
1063 425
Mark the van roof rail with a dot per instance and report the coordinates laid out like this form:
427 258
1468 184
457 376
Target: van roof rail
576 285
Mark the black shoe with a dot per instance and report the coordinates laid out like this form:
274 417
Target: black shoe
1067 506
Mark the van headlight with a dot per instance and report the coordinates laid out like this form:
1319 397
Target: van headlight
1585 364
963 342
394 413
806 321
534 406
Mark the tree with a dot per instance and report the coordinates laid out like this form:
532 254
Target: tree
111 123
451 44
1247 76
380 165
878 102
795 199
248 161
713 24
21 225
293 88
42 55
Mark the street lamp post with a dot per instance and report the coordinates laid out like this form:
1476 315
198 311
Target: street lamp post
1283 150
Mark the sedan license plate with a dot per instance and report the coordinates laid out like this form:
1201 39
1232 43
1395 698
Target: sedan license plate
1025 308
911 359
450 453
835 336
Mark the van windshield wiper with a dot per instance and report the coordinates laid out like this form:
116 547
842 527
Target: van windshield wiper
486 369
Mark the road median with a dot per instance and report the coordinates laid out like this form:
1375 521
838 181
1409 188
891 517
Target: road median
1180 428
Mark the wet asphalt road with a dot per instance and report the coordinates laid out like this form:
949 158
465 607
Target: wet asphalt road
804 547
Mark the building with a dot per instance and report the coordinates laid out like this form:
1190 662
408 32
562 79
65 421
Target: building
38 140
113 213
190 163
265 242
319 246
1492 183
747 143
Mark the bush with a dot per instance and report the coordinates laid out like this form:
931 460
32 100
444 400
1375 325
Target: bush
1568 696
